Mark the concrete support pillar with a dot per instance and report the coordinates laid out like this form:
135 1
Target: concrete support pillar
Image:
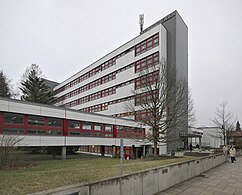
150 150
114 151
144 151
63 153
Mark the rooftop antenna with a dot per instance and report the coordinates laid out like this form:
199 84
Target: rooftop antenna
141 22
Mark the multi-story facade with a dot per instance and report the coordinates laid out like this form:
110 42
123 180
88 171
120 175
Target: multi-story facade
38 125
106 84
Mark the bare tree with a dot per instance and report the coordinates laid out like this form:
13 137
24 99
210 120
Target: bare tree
191 111
8 147
224 120
160 103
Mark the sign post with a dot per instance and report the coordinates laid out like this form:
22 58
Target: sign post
121 155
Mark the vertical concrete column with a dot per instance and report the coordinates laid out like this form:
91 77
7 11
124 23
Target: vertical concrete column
150 152
114 151
63 153
144 151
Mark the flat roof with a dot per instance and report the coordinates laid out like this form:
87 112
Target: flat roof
61 108
169 16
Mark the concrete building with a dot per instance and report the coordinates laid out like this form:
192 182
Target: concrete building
50 84
212 137
105 85
39 125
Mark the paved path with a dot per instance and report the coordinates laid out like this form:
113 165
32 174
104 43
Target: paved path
222 180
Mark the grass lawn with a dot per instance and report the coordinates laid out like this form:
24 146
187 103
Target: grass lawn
49 173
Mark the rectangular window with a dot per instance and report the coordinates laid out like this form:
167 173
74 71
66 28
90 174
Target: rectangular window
54 122
74 133
74 124
54 132
13 118
86 134
108 135
147 44
13 131
98 135
33 131
98 127
35 120
104 106
108 128
86 126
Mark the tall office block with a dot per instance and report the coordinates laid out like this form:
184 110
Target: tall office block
107 84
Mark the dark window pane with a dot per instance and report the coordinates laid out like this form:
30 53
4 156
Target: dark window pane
54 122
13 131
86 134
13 118
35 120
74 124
86 126
54 132
74 133
33 131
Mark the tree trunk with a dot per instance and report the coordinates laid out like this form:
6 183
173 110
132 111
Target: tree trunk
155 149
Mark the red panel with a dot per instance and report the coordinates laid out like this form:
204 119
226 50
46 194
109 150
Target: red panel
65 127
114 131
25 120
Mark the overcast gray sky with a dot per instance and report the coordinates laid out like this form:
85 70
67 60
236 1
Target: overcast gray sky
64 36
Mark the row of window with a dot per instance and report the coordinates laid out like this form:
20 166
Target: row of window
147 62
94 96
146 80
95 83
125 114
96 108
123 129
91 85
104 106
147 44
87 75
10 118
140 65
140 82
141 115
31 131
55 132
124 133
139 49
14 123
13 118
97 95
145 98
127 151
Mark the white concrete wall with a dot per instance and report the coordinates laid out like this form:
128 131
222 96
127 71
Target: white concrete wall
147 182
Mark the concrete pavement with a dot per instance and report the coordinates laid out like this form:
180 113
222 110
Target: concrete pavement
225 179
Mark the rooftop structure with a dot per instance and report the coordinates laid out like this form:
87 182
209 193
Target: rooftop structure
105 85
